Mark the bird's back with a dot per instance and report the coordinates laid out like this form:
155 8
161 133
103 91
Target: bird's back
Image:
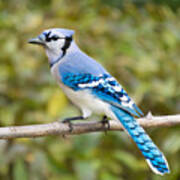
77 61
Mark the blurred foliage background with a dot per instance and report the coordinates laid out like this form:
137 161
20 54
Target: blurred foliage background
138 41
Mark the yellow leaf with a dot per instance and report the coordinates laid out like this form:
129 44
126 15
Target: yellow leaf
56 103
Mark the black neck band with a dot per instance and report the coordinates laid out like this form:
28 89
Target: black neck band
67 44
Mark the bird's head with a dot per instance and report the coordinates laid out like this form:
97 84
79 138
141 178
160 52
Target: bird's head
56 42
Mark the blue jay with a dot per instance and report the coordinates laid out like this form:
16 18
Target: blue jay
93 90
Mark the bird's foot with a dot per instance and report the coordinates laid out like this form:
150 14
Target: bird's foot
68 121
105 122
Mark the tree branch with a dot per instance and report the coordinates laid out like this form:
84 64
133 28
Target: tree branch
58 128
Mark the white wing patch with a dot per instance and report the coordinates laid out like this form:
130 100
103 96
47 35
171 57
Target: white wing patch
117 88
128 104
114 87
124 98
92 84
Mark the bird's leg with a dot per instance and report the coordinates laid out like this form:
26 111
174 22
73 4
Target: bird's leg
68 120
105 121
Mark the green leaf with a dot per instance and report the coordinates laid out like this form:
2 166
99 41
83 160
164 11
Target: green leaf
20 170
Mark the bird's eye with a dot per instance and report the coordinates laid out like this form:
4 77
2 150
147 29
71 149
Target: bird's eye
55 37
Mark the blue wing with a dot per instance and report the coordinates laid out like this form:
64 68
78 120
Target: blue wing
104 87
109 90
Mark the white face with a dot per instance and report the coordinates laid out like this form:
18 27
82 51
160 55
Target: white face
55 41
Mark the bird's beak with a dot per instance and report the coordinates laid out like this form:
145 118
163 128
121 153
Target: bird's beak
37 41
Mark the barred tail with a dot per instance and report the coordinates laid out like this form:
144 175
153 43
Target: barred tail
152 154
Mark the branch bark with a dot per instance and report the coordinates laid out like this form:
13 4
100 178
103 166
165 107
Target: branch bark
59 128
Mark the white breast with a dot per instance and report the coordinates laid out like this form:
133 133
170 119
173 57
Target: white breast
87 103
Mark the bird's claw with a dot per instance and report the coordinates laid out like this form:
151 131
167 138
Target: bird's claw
67 121
104 122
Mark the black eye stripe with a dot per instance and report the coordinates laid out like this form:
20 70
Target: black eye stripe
54 37
68 38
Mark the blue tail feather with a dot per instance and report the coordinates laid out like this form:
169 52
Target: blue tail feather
152 154
138 110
